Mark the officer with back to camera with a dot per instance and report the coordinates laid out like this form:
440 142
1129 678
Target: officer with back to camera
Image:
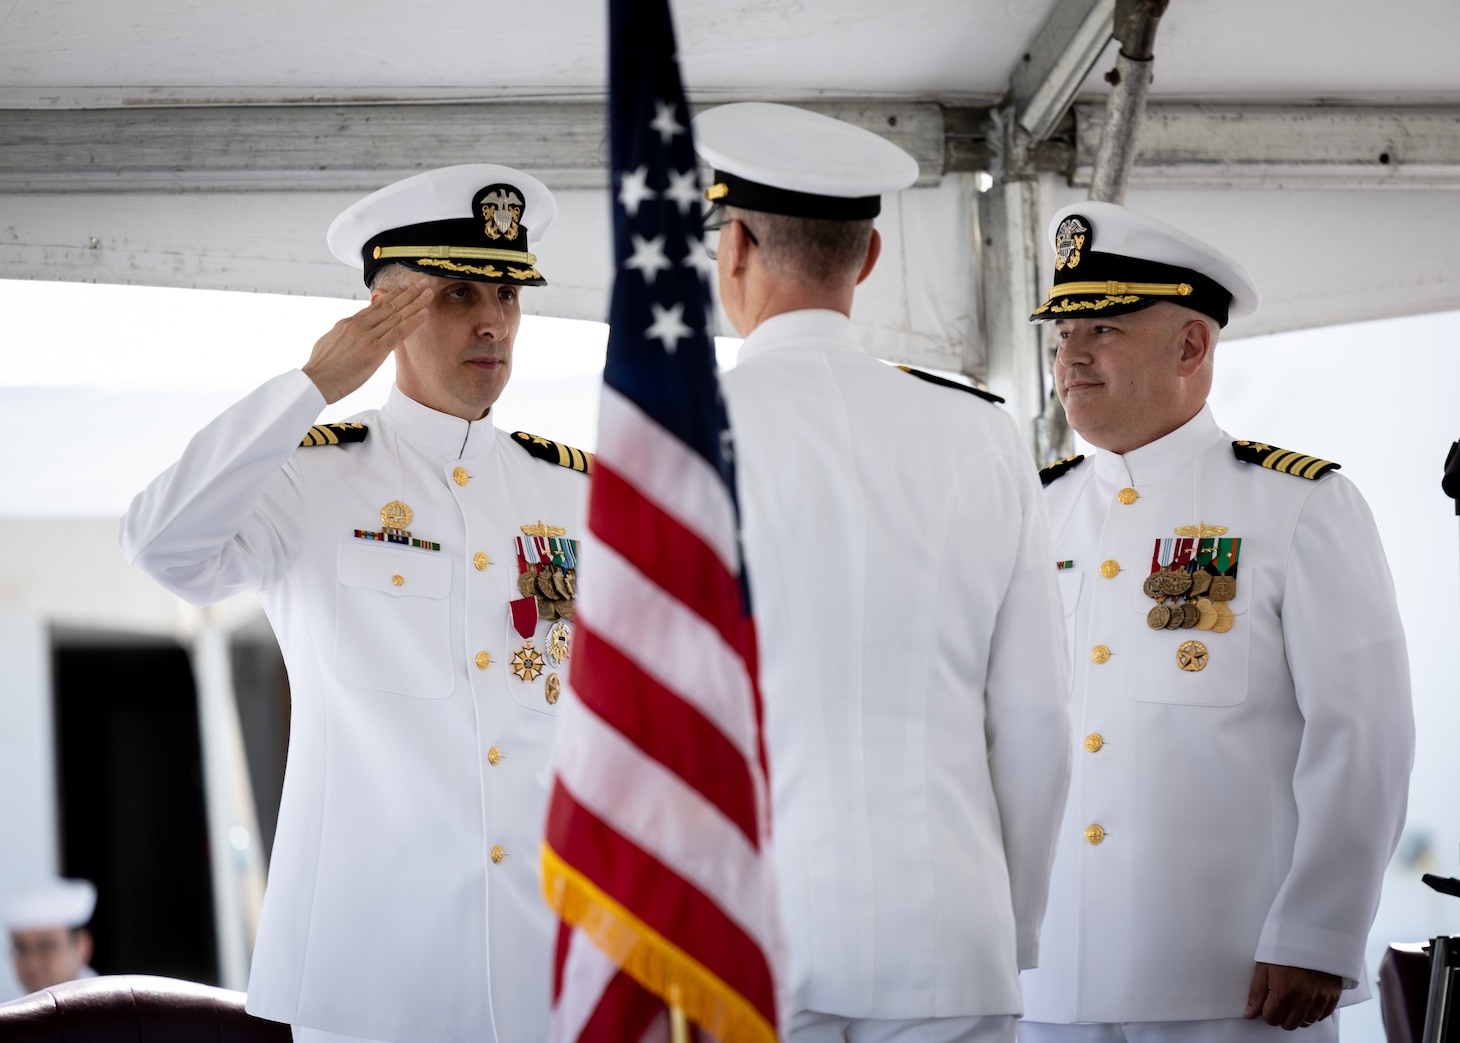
898 557
418 566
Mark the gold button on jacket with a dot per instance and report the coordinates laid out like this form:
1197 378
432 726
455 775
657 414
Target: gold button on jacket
1100 654
1094 742
398 580
494 756
1127 496
498 853
1110 569
459 476
484 660
1093 834
481 561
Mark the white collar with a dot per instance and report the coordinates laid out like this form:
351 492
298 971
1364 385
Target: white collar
437 433
1154 462
818 329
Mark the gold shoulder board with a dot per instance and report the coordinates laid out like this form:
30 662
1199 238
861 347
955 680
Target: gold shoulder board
554 452
987 396
334 434
1284 460
1059 468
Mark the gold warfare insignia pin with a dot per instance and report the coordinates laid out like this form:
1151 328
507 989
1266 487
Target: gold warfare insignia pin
394 519
1069 242
396 515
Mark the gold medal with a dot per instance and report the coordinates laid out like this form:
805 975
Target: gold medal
1157 618
1207 612
1154 585
547 608
1225 619
1201 582
558 640
1174 623
527 584
527 663
1192 656
1191 615
1224 588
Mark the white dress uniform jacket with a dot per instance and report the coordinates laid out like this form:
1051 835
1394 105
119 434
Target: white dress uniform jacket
403 900
1248 808
914 689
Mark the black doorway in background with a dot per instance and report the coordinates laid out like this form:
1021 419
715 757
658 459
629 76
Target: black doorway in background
130 777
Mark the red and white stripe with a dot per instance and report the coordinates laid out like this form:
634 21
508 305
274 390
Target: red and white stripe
660 804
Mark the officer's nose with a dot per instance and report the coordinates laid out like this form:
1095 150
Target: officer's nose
1071 348
491 317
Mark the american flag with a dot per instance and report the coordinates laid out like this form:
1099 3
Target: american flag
657 856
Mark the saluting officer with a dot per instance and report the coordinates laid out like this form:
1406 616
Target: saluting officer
1241 696
418 566
898 555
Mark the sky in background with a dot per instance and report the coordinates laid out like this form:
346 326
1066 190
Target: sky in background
100 387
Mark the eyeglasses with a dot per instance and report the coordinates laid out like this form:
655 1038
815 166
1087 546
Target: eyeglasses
712 233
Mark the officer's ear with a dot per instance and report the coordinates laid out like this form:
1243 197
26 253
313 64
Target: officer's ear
874 251
83 944
1197 342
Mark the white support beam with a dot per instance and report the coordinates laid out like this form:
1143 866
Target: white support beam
1058 61
1008 267
348 148
1285 146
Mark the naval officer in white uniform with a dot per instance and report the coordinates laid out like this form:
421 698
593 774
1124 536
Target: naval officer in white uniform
1241 698
911 650
418 567
49 940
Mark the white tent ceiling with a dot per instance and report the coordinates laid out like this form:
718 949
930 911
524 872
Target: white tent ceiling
192 143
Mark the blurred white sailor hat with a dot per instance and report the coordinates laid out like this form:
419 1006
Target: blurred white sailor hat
50 904
476 221
1109 260
779 159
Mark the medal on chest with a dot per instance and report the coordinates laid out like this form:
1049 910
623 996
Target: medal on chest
547 576
1193 576
394 519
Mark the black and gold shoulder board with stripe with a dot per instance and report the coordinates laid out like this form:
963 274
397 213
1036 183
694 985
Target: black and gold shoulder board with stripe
1284 460
987 396
554 452
1059 468
334 434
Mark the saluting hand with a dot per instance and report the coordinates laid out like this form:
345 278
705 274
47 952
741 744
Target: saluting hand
346 356
1291 997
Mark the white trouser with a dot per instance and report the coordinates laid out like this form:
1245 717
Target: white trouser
807 1026
304 1035
1221 1030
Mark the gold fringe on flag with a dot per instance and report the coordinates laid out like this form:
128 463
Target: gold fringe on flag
649 958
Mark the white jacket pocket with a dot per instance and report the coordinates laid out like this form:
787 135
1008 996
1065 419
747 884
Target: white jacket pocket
393 621
1189 666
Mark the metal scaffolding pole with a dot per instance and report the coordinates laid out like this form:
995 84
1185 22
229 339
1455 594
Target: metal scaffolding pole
1130 81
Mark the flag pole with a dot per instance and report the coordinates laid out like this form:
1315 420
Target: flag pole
678 1023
